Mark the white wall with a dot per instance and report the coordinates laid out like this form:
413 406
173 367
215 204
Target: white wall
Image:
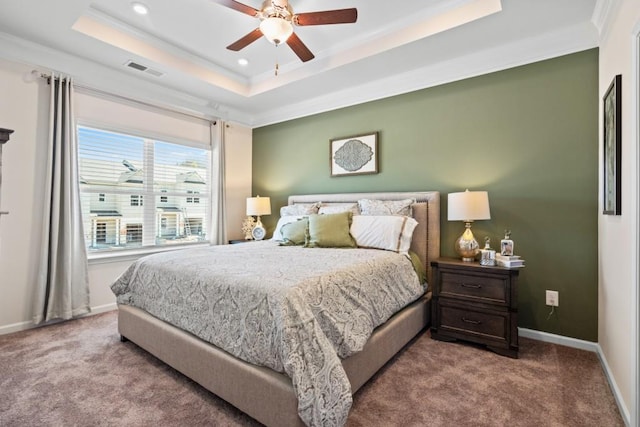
618 255
24 108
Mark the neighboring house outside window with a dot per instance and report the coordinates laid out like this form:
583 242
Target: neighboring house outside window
134 191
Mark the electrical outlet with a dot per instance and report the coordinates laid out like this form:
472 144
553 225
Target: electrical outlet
553 299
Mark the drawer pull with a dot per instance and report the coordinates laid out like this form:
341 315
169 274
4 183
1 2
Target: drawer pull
473 322
472 286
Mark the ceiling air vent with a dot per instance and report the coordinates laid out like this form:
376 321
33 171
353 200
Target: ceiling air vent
143 68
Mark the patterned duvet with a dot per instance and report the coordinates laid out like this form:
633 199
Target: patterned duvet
295 310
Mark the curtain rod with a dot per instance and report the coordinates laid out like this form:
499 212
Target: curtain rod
91 90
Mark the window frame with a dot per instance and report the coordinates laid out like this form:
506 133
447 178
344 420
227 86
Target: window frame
115 254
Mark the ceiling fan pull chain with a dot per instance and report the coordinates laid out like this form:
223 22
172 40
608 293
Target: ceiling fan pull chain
277 65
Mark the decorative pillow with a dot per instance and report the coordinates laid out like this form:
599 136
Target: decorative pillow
300 209
418 266
295 233
330 231
385 207
277 233
389 232
339 207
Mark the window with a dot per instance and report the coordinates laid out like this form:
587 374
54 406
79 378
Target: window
136 200
193 199
134 191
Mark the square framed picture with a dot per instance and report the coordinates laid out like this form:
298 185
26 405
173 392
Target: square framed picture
612 142
354 155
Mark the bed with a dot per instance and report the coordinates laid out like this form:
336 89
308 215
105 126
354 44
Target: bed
264 393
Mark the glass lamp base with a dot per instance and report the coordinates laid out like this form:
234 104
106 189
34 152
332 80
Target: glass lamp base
466 246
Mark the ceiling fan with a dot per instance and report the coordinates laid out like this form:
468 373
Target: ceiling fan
277 20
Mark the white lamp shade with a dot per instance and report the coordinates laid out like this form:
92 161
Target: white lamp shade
276 30
469 206
258 206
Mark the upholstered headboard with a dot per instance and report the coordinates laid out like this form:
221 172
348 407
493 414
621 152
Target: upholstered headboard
426 237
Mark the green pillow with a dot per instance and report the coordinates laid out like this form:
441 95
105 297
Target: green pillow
295 233
330 231
418 267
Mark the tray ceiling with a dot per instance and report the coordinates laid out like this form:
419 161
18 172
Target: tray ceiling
394 47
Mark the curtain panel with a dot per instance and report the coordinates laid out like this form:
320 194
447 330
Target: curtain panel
218 194
63 286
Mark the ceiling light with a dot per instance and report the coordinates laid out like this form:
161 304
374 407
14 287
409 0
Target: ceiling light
243 61
140 8
277 30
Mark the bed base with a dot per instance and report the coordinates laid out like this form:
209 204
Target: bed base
260 392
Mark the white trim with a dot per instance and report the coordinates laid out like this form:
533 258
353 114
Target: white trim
558 339
16 327
121 255
92 75
521 52
624 411
601 14
102 309
635 119
588 346
23 326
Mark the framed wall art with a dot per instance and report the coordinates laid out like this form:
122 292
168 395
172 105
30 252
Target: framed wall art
612 142
354 155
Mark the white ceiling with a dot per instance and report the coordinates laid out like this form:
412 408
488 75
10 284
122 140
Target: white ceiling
394 47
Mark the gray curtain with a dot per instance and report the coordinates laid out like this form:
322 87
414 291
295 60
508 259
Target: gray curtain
63 286
218 216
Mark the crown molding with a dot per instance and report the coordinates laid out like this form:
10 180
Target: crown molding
602 14
93 75
526 51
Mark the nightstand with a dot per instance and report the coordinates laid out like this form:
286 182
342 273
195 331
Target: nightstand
475 303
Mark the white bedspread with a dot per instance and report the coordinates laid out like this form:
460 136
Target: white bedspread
295 310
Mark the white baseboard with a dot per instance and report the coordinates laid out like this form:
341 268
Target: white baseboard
102 308
624 411
588 346
558 339
16 327
23 326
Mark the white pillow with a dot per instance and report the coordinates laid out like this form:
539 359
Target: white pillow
385 207
388 232
339 208
299 209
277 233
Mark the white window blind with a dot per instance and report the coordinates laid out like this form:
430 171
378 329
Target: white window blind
139 192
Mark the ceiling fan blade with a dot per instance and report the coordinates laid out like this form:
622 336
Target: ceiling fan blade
339 16
246 40
231 4
299 48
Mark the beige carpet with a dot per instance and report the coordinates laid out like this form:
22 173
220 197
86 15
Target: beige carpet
78 373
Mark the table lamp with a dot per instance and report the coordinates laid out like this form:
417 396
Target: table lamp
257 206
468 206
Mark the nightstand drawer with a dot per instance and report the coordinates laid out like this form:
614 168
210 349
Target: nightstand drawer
473 287
468 322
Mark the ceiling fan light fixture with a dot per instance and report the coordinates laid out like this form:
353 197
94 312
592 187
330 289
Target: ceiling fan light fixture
277 30
139 8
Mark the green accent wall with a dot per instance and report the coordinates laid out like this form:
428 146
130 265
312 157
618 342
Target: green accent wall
527 135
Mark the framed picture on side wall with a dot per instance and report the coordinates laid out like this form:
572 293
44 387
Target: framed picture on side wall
612 142
354 155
